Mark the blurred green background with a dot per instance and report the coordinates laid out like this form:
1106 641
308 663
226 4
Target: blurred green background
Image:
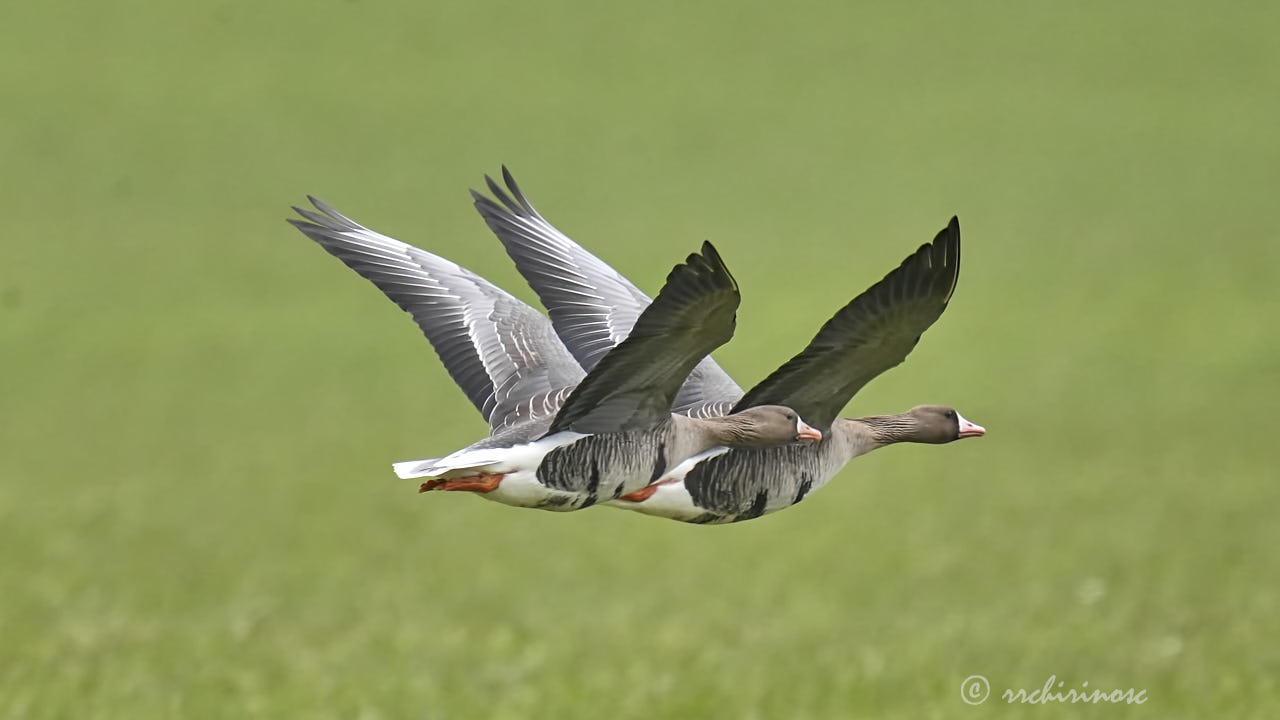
200 407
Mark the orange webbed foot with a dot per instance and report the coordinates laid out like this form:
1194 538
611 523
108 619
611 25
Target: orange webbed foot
645 492
476 483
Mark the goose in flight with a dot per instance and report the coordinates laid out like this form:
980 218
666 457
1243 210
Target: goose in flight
560 438
591 307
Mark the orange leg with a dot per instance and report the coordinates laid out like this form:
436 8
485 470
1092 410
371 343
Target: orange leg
475 483
645 492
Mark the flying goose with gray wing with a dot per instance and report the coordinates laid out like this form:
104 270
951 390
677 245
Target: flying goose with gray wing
558 439
871 334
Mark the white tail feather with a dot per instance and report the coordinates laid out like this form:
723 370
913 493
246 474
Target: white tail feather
413 468
525 456
437 467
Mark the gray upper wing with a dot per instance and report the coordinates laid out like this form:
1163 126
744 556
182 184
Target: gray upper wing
591 305
871 334
502 353
635 383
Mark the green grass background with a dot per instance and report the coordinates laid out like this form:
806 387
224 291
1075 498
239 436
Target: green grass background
199 407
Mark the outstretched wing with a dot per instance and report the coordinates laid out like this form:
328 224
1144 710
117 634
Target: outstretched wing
502 353
635 383
871 334
591 305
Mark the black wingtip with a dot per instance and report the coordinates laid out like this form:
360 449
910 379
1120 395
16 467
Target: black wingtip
511 197
300 211
949 233
949 242
943 249
510 180
311 218
710 250
325 209
937 263
497 191
706 268
717 263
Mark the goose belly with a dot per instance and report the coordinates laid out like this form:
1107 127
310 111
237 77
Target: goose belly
724 486
521 488
671 499
751 482
602 467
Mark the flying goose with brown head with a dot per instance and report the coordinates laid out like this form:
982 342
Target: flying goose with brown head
590 304
560 439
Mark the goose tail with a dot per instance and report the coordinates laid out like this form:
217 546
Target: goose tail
466 462
410 469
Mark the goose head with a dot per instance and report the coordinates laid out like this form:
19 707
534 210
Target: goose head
937 424
771 425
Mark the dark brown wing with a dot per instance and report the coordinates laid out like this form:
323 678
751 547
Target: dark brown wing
871 334
635 383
